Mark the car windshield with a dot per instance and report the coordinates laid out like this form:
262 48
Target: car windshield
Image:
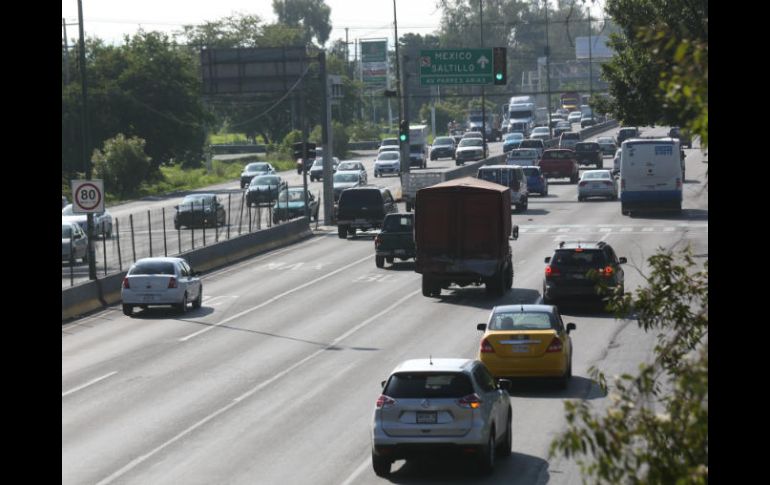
346 177
152 268
532 144
350 166
293 196
397 223
531 171
471 142
522 321
416 385
390 141
540 131
522 154
444 140
597 175
388 156
197 200
266 180
514 136
605 140
592 258
256 167
318 162
558 154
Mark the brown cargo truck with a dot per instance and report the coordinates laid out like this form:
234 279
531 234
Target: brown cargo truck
462 229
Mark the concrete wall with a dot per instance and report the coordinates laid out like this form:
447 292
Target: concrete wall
92 295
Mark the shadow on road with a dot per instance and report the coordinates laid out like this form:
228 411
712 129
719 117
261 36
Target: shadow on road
579 388
685 215
477 296
518 468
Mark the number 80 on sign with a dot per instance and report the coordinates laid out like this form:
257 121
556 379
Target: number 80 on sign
87 196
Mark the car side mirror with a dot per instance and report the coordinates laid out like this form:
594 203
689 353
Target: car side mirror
504 384
571 326
515 232
623 260
482 327
547 260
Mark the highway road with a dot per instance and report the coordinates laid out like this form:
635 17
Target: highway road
274 379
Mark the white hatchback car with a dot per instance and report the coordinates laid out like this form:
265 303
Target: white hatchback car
597 183
434 405
161 281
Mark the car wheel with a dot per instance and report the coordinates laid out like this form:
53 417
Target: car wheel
381 466
623 210
182 307
389 260
487 455
376 175
352 231
379 261
128 310
342 232
580 198
177 226
563 381
198 301
526 205
505 447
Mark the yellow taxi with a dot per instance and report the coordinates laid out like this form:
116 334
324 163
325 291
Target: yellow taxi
527 341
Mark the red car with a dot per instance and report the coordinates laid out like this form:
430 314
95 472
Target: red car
559 163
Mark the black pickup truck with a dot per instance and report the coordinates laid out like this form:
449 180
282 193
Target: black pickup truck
589 153
364 208
396 240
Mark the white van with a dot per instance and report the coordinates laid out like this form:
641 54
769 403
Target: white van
650 175
510 176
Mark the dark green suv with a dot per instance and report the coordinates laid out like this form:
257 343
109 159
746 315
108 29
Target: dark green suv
582 269
396 240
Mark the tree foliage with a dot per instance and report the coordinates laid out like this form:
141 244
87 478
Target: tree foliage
660 72
655 429
311 15
122 164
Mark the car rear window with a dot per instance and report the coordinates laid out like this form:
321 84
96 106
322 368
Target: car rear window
586 147
593 258
522 321
152 268
531 171
398 223
361 197
66 231
415 385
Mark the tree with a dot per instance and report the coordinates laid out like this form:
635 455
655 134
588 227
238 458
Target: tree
312 16
660 72
655 429
122 164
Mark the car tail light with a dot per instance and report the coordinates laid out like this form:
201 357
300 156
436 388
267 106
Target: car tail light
486 347
555 345
550 272
622 183
583 184
377 241
384 401
471 401
172 282
678 183
606 271
607 182
125 283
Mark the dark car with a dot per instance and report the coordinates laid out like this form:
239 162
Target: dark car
582 269
683 136
536 181
199 210
343 180
607 144
396 240
443 147
589 153
626 133
264 189
291 204
363 208
254 169
587 121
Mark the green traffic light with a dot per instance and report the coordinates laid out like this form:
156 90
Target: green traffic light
499 76
402 137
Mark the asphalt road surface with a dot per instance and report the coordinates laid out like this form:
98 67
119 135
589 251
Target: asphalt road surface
274 379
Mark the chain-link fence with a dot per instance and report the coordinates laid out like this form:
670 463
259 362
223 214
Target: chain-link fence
172 230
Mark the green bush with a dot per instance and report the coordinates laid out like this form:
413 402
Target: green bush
122 164
341 139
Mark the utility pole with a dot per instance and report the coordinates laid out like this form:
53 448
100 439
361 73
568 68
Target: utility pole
326 140
483 101
403 148
590 61
66 53
86 154
548 69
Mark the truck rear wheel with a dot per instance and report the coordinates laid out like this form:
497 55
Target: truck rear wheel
342 232
379 261
430 287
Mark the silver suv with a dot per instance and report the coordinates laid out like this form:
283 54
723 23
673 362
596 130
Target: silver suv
433 405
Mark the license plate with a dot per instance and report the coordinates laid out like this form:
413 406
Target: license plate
426 417
148 297
578 276
520 349
359 221
399 251
596 186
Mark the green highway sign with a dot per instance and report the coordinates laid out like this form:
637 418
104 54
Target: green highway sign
456 66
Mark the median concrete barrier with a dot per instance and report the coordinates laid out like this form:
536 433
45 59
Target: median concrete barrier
93 295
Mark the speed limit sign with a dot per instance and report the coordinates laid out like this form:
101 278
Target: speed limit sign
87 196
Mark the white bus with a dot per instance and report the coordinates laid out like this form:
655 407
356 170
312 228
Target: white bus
650 175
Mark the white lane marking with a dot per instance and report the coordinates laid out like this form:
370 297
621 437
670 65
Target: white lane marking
132 464
605 229
669 229
605 236
648 229
564 229
273 299
209 301
88 384
627 229
357 472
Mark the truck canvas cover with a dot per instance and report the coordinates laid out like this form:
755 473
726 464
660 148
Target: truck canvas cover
463 225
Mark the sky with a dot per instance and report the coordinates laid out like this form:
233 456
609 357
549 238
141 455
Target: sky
365 19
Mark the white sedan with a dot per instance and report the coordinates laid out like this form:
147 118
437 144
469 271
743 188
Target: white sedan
102 221
161 281
597 183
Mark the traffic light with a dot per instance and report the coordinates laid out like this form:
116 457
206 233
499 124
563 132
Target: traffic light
297 149
499 66
302 150
310 150
403 131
